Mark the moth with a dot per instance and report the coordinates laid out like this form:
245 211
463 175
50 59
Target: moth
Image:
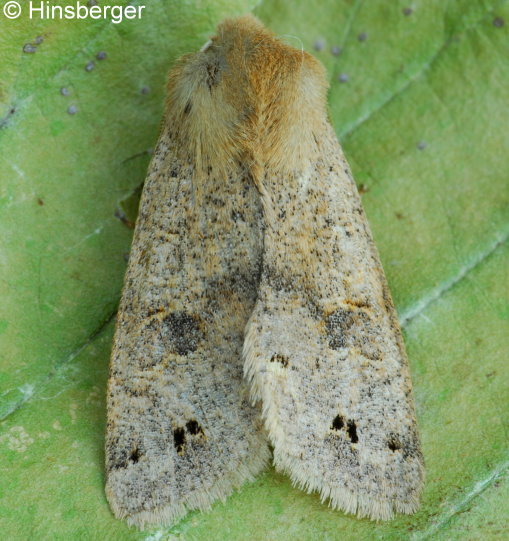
255 310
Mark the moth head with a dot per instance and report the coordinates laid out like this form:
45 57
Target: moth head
246 92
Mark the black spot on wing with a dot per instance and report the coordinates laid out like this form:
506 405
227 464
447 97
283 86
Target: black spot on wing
194 428
351 429
179 440
393 442
135 455
281 359
338 423
121 456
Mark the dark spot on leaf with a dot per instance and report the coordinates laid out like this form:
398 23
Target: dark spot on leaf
145 90
179 440
90 66
64 91
498 22
407 11
38 40
338 423
335 50
29 48
319 45
40 201
421 145
362 36
343 77
351 428
72 109
101 55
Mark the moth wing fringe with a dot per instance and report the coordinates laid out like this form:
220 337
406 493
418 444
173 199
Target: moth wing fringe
200 500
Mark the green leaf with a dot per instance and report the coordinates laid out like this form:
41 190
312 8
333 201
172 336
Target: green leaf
419 101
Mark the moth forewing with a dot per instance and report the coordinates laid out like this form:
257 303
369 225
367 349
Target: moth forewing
181 431
323 347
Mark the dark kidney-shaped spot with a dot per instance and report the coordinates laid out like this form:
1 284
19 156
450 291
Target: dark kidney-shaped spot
338 324
182 331
354 328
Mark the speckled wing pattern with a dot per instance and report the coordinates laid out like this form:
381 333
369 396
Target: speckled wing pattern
324 350
181 431
252 253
